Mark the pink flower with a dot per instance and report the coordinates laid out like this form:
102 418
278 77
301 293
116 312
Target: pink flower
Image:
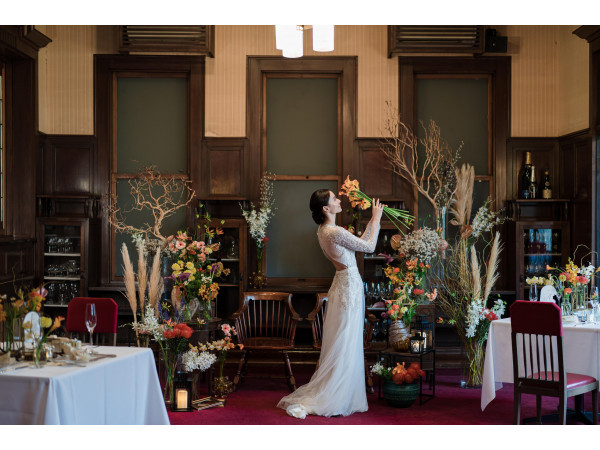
171 246
179 245
182 236
226 329
202 257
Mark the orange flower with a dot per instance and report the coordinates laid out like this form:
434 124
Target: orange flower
568 291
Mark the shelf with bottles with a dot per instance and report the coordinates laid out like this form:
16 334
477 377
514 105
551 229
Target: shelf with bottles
539 245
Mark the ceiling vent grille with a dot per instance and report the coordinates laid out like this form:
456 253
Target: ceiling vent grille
435 39
194 39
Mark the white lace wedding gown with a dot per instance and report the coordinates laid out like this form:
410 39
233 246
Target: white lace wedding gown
338 385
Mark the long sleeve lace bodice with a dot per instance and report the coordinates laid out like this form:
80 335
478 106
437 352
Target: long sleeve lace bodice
339 244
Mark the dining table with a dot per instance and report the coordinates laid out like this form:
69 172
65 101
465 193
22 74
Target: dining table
581 345
118 386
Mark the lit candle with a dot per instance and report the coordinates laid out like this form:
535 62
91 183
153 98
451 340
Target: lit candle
182 398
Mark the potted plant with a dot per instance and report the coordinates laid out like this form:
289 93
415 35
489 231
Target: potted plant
400 387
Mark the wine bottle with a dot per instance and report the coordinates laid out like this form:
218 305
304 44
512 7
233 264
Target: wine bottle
547 189
533 186
526 177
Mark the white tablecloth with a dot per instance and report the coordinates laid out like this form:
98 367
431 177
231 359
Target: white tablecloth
581 346
111 391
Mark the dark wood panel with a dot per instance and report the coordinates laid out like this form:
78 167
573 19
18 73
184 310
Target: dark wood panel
68 165
376 175
223 168
17 263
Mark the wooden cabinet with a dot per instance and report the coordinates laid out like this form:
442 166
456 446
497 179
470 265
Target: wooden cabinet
62 258
540 237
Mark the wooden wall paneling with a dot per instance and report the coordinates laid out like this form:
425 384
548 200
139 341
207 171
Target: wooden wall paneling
17 264
106 68
68 165
223 168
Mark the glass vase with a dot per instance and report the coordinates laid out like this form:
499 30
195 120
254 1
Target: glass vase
170 361
399 336
472 376
258 279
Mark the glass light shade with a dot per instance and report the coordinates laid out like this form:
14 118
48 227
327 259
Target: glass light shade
279 36
323 37
293 44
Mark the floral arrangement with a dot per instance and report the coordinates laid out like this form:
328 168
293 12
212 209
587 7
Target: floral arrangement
571 283
399 374
359 199
16 307
470 272
193 274
258 217
222 385
539 281
407 279
479 318
423 244
45 322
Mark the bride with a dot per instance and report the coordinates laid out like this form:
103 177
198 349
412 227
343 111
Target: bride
338 385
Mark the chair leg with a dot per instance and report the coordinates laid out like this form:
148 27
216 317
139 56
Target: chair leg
368 378
538 408
595 406
517 408
290 375
238 376
562 410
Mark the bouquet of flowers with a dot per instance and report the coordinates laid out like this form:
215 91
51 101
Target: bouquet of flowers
13 309
539 281
45 322
359 199
407 279
193 274
479 318
571 283
399 374
423 244
222 385
258 217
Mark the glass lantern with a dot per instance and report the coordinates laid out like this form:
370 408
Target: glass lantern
421 326
417 343
183 394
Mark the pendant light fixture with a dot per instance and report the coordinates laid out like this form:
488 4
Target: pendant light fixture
290 39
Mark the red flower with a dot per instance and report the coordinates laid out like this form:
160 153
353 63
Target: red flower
418 291
265 239
491 316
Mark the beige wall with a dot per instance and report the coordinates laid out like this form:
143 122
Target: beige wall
549 77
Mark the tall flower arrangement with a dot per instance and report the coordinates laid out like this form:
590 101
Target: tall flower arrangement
258 218
14 309
470 272
571 283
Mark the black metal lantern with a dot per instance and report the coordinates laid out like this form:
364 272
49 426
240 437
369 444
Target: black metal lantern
182 398
423 327
417 342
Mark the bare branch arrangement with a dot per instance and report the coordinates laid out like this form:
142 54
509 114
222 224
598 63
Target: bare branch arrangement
434 175
162 195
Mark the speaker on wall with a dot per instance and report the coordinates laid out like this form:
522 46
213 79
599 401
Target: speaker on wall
493 42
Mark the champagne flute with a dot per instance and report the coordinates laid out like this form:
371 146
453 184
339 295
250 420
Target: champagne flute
90 319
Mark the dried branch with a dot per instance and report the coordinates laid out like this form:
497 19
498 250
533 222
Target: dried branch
162 195
433 176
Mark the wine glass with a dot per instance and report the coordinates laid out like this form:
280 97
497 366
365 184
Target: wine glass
90 319
595 301
533 296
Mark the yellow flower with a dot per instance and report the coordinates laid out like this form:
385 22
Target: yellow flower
191 278
176 267
189 265
46 322
561 277
403 309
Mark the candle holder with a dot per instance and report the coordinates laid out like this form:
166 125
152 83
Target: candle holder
417 343
421 326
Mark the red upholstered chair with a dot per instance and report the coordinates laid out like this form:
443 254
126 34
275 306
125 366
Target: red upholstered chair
536 335
317 318
106 311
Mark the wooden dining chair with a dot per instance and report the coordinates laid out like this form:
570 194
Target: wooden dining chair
266 322
538 360
317 318
105 331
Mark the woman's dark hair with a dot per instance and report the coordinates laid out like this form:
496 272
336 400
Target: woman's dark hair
319 199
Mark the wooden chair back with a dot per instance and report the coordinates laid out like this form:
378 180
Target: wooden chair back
317 319
266 314
537 346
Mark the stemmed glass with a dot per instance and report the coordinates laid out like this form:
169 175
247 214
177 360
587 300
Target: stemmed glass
533 295
595 301
90 319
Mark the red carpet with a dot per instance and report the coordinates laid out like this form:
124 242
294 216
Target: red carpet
255 404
